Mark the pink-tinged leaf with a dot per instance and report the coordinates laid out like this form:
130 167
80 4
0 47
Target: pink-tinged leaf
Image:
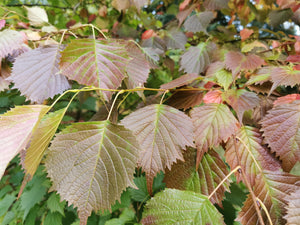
293 213
214 96
2 24
211 171
246 33
152 56
16 127
198 22
154 42
214 68
281 127
286 99
215 4
98 63
36 73
213 124
175 39
241 100
5 72
182 15
181 81
185 99
272 188
91 164
252 155
236 61
162 132
285 76
10 40
184 4
195 59
293 58
284 4
138 67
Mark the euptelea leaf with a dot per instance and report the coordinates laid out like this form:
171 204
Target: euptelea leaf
36 73
281 127
175 39
37 16
198 22
293 212
16 127
10 40
215 4
173 206
98 63
185 99
91 163
162 132
181 81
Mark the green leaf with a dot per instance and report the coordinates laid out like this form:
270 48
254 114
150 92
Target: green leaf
141 194
224 78
95 63
53 218
126 216
180 207
5 203
162 132
16 127
55 205
95 165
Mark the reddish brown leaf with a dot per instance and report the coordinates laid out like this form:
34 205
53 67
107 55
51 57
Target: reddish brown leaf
293 58
265 104
184 4
246 33
185 99
286 99
181 81
293 212
183 14
215 4
281 127
214 96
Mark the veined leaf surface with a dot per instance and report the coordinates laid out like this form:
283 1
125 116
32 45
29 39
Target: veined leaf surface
91 163
162 132
215 4
16 127
180 207
281 127
10 40
36 73
293 213
199 22
98 63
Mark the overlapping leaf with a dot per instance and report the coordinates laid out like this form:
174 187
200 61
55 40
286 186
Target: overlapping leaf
272 188
211 171
36 73
98 63
41 139
215 4
162 132
185 99
175 39
195 59
181 81
241 100
293 212
91 163
281 127
10 40
16 127
286 99
180 207
213 124
199 22
248 153
224 78
37 16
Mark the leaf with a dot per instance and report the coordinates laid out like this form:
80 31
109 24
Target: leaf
271 188
293 213
162 132
53 218
278 17
37 16
261 76
254 45
5 72
5 203
10 40
98 63
211 171
285 76
286 99
55 205
155 43
185 99
236 61
249 154
95 165
141 194
246 33
181 207
2 23
198 22
214 96
16 127
215 4
36 73
152 55
175 39
181 81
195 59
139 3
281 132
120 4
224 78
213 124
241 100
41 139
182 15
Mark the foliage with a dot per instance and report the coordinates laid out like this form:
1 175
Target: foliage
149 112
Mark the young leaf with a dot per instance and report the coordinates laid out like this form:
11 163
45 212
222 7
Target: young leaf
213 124
281 131
95 165
241 100
286 99
16 127
211 171
37 16
41 139
215 4
180 207
271 188
196 59
10 40
185 99
36 73
162 132
224 78
253 157
214 96
98 63
198 22
293 212
181 81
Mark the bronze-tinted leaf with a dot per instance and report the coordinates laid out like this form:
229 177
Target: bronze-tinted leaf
181 81
286 99
215 4
185 99
293 208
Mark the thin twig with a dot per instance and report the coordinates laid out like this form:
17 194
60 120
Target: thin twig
266 210
113 104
